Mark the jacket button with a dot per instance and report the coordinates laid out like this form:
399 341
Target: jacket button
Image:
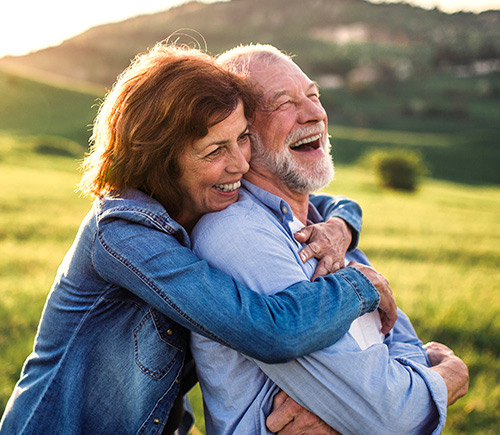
170 332
156 421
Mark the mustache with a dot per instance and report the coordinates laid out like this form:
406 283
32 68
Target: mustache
304 132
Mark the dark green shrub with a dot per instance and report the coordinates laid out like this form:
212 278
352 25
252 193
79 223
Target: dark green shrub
397 169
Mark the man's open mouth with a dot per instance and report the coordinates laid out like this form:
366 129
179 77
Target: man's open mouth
307 144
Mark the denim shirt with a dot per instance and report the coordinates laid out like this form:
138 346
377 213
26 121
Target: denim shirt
386 388
112 340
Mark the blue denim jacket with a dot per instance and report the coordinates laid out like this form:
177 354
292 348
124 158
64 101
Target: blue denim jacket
112 340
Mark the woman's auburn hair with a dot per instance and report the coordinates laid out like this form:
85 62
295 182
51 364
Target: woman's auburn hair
166 99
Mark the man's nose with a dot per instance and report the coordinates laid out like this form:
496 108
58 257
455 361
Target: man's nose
311 111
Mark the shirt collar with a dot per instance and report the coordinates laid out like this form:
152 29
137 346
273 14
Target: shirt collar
278 205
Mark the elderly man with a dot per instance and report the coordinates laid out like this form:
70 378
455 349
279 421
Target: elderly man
366 382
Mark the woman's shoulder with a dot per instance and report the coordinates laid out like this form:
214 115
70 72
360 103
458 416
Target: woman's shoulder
134 206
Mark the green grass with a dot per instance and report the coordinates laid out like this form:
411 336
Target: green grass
438 247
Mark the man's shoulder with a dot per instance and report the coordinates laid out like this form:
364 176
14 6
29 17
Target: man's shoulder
240 216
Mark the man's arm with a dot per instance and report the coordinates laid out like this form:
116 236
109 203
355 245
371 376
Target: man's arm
348 388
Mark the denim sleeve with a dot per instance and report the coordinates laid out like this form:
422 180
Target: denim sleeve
342 207
274 328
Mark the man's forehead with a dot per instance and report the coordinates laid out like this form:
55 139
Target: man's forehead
280 77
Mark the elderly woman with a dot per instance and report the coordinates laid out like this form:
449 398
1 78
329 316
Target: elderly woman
170 143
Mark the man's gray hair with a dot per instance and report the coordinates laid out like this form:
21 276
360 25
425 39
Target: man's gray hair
239 59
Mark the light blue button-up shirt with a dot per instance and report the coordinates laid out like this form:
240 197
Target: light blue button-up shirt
384 389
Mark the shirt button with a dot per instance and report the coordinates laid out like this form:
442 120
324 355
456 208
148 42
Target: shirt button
177 381
170 332
284 209
156 421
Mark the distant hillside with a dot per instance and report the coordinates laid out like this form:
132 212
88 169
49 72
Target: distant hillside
333 39
29 107
391 76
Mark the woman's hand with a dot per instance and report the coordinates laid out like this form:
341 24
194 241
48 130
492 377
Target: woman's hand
289 418
328 242
387 306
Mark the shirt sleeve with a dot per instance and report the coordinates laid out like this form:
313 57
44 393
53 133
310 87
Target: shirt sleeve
348 388
342 207
275 328
352 390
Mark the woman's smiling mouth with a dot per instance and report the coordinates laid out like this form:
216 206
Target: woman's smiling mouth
227 187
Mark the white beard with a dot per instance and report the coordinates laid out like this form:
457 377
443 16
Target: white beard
298 177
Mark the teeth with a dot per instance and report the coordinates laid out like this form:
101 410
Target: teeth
227 187
306 140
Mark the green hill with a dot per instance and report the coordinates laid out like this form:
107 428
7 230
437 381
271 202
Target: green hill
387 68
331 37
32 107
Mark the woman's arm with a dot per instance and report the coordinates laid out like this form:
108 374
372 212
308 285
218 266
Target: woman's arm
303 318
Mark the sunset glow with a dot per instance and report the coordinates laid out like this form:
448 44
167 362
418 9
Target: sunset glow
29 25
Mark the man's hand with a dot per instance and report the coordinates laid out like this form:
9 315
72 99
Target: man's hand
452 369
328 242
289 418
387 306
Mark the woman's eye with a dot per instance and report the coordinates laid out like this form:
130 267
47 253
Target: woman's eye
245 137
214 153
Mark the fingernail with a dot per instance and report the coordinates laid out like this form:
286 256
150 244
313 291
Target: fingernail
303 258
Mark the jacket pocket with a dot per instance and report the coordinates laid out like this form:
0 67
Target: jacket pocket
158 343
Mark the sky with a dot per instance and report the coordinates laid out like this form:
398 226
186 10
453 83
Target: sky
29 25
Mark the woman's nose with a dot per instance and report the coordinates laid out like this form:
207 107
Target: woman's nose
239 161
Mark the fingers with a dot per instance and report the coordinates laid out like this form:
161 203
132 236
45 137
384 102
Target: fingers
290 418
279 399
326 239
309 251
388 308
388 321
308 423
284 411
326 266
303 235
437 352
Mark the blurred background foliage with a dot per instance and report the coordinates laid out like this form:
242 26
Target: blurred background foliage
392 77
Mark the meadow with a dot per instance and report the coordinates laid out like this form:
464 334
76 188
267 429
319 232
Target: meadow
439 247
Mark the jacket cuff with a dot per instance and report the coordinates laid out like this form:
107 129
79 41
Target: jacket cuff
367 294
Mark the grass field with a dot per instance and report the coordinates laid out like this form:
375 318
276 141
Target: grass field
438 247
